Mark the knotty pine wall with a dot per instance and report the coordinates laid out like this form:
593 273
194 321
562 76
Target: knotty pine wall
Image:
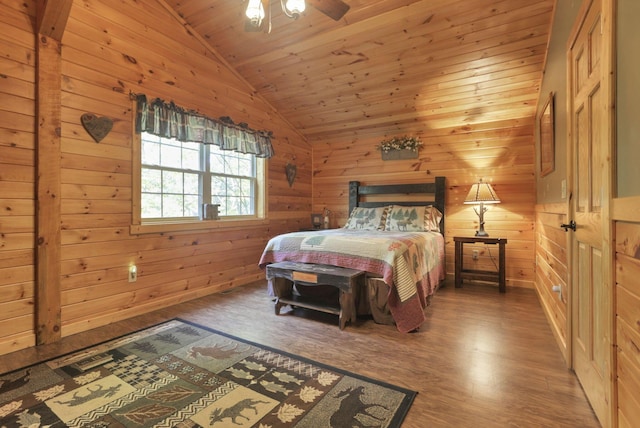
627 310
500 152
17 178
551 209
110 49
551 269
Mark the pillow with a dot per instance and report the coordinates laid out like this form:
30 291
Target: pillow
413 219
405 219
432 217
367 218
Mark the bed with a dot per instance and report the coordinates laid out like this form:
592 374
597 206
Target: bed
395 235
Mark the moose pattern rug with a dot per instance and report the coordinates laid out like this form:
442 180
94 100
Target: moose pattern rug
179 374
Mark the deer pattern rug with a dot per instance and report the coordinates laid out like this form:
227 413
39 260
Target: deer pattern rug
179 374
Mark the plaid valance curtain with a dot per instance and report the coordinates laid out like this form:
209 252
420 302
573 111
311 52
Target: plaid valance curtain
170 121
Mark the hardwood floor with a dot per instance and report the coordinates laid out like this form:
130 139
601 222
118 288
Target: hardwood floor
482 359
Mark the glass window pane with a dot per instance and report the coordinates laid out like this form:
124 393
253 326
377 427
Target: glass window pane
191 204
151 205
150 153
245 166
232 206
220 200
243 205
172 182
218 185
232 166
172 206
246 207
171 156
245 188
239 205
191 184
217 163
151 180
233 186
191 159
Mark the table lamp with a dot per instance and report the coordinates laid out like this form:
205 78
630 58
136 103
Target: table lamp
481 194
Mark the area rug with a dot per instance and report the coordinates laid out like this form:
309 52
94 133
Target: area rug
180 374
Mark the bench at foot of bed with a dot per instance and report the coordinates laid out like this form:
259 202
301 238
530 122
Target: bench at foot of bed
309 277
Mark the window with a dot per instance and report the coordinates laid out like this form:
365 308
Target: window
177 178
233 181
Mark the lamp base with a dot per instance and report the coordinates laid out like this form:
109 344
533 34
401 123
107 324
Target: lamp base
480 231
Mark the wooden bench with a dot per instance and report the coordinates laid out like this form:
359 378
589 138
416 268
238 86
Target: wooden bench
284 275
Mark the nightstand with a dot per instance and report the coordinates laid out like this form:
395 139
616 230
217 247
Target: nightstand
483 275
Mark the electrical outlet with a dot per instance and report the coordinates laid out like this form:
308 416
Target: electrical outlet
474 255
133 273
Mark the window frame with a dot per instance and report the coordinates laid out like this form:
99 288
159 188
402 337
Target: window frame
141 226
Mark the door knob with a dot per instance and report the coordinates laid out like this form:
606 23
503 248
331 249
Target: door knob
571 225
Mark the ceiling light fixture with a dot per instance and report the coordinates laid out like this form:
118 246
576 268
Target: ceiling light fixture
255 11
293 8
259 12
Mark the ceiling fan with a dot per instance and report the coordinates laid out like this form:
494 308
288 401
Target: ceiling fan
255 12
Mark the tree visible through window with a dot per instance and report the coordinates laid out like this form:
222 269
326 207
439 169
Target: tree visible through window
178 177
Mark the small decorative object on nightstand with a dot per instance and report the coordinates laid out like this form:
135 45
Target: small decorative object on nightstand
325 224
482 275
316 221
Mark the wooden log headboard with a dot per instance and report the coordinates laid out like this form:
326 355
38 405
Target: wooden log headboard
420 194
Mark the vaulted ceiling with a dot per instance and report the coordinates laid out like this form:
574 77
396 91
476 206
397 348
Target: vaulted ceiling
387 65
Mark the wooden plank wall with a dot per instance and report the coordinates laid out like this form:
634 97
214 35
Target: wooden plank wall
552 269
499 152
17 175
628 319
110 49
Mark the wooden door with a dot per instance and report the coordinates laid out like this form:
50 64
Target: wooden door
591 294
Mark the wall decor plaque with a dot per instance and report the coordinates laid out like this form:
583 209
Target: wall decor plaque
291 171
97 127
400 154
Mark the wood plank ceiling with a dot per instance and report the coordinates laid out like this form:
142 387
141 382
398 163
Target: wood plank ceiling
388 65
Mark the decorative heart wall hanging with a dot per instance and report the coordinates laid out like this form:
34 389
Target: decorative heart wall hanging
291 173
97 127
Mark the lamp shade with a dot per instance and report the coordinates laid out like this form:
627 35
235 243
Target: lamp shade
255 12
294 7
482 193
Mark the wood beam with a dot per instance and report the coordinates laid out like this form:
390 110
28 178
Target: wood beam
52 16
48 309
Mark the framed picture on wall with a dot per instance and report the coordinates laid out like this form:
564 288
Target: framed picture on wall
547 143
